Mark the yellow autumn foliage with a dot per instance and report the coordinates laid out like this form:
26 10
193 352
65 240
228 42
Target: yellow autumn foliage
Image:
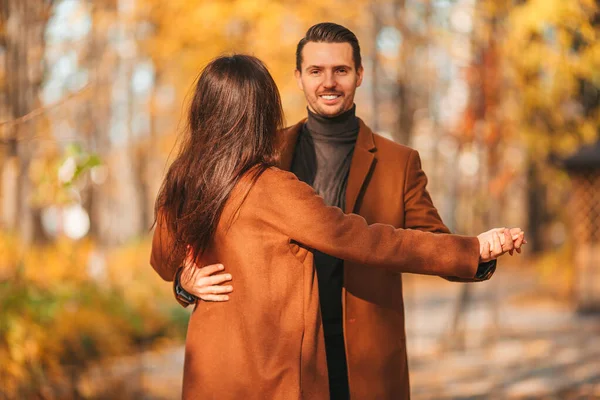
188 34
60 312
550 48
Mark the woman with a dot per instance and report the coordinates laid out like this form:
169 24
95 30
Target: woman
224 197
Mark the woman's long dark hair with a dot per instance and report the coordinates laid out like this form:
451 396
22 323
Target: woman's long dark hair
232 124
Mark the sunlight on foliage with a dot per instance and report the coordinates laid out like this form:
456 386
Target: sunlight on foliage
552 49
56 317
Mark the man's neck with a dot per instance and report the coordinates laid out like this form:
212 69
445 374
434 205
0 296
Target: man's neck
343 127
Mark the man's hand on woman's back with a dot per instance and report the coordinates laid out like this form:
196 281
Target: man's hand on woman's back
206 283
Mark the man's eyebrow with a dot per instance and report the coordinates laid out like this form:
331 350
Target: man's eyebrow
322 67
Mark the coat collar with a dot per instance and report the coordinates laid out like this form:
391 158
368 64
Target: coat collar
362 159
289 138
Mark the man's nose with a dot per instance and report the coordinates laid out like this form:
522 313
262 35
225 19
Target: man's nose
329 81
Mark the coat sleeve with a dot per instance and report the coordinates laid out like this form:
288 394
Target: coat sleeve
165 261
295 209
420 213
163 258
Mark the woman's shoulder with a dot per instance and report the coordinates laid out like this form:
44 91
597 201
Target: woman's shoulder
273 183
258 180
277 174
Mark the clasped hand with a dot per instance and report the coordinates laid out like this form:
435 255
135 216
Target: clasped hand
498 241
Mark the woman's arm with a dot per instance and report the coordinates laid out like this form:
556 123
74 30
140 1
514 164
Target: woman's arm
164 258
294 208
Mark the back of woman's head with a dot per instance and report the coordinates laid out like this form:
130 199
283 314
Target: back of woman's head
232 125
236 103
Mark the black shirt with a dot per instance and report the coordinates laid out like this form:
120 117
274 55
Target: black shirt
322 159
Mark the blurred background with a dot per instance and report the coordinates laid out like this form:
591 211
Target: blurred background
500 97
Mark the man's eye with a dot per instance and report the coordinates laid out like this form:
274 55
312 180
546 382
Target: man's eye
314 72
342 71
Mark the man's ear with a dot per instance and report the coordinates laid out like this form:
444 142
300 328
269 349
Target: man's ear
298 76
359 73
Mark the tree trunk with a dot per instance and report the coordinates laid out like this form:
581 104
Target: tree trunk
407 98
403 96
102 65
25 23
536 210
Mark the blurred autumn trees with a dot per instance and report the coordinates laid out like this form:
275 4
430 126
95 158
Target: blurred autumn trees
23 24
483 77
554 54
94 92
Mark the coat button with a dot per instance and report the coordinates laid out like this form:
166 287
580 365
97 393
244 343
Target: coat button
352 320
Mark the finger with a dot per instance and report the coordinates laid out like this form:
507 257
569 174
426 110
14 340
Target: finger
515 231
198 285
492 242
511 252
490 252
523 241
213 280
215 289
519 241
500 231
497 246
485 252
214 297
501 238
210 269
508 242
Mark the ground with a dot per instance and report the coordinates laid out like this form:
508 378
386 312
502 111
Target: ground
514 341
529 346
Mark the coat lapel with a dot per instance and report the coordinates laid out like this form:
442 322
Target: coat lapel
362 160
289 138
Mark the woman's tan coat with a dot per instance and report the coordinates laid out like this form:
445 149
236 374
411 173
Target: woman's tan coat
267 341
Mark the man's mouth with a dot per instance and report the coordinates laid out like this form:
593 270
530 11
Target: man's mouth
330 96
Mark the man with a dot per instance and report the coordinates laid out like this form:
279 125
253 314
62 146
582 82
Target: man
355 169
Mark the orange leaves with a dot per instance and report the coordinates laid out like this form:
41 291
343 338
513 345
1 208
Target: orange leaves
186 35
68 304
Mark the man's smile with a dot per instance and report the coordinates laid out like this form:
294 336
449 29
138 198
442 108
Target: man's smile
330 98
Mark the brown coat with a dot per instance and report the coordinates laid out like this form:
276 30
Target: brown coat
267 341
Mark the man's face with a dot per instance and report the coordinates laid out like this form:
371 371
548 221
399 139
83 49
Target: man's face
328 77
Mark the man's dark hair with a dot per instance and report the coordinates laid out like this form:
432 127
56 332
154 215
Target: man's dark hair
328 32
